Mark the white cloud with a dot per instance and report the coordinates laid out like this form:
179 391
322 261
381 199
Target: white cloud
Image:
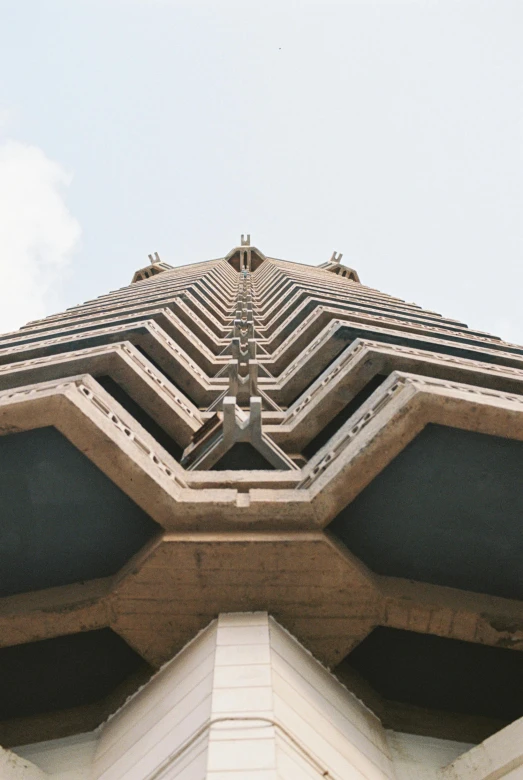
37 233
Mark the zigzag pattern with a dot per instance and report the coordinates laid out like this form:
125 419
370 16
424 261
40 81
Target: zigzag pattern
251 409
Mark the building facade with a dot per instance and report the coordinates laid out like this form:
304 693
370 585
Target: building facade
259 521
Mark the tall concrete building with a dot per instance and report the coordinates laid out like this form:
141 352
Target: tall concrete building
259 522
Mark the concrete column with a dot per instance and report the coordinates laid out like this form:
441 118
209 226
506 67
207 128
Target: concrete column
242 737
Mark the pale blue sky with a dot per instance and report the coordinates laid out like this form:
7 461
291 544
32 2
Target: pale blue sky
389 131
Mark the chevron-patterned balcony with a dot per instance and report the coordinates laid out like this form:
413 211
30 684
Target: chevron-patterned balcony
252 434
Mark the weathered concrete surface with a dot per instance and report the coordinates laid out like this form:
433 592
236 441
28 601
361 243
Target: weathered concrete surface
252 539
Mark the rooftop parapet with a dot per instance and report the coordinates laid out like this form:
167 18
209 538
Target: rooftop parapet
156 266
335 266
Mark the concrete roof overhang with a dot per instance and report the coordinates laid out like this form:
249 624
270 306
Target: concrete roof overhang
387 422
363 360
162 316
392 417
129 368
185 369
148 337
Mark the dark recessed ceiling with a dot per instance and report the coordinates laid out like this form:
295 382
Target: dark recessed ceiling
67 671
442 674
242 455
61 519
447 510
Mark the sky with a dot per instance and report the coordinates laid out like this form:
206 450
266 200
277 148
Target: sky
389 131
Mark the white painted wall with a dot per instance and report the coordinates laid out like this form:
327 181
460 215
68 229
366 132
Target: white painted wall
154 724
63 759
15 767
344 737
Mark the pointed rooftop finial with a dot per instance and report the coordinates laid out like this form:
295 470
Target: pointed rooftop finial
336 257
154 259
246 240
